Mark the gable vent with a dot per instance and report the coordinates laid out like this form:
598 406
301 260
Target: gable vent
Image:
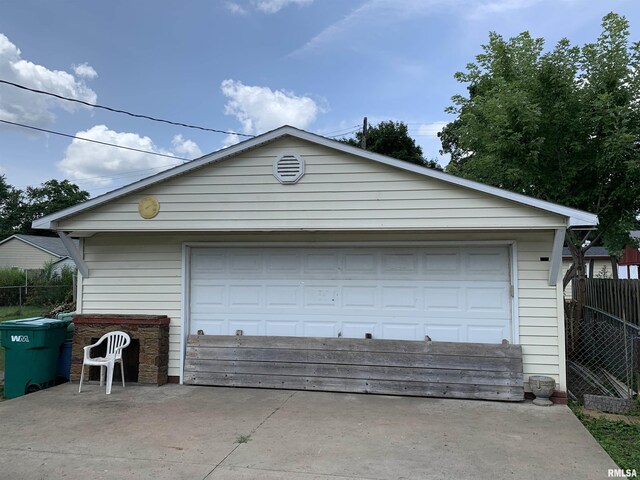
288 168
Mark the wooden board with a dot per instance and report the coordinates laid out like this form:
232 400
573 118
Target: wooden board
390 367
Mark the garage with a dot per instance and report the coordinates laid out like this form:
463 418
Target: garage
401 292
277 258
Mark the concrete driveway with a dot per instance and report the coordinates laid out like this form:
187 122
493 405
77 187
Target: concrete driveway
182 432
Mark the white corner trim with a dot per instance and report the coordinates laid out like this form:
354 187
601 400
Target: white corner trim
186 295
556 257
515 282
75 254
575 218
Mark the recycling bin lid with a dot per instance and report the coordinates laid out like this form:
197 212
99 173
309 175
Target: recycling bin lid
34 323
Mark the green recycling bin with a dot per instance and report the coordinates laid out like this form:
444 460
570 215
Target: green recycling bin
32 346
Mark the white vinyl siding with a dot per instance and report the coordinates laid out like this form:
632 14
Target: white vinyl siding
338 192
16 253
142 273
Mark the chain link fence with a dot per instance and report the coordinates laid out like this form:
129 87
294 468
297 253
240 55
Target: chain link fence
603 361
20 295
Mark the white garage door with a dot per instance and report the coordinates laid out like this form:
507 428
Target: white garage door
450 294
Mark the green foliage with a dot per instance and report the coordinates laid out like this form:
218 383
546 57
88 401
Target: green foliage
620 440
45 287
392 139
561 126
19 208
50 287
11 277
10 209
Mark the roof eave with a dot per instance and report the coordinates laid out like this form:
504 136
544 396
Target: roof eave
575 218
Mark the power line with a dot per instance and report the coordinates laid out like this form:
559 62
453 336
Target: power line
346 133
31 127
334 133
115 110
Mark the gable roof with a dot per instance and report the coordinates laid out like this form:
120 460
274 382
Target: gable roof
575 218
50 245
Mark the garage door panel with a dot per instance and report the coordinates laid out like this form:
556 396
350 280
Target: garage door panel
488 299
208 326
320 296
484 334
208 295
403 264
248 327
313 328
400 298
322 263
284 263
282 328
360 263
360 297
245 296
487 265
391 292
245 262
282 296
444 333
351 329
401 331
208 262
442 299
441 264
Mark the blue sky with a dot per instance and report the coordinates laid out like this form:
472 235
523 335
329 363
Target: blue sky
245 66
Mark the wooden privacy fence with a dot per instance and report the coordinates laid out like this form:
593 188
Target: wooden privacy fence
391 367
620 298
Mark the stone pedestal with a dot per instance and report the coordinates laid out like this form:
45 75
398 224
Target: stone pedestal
151 331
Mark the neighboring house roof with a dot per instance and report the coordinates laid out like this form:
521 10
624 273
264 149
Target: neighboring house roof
593 252
50 245
575 218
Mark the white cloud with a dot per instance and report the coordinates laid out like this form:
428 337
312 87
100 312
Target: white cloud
235 8
431 129
500 6
185 147
26 107
2 170
99 164
230 139
385 14
264 6
273 6
260 109
372 14
85 70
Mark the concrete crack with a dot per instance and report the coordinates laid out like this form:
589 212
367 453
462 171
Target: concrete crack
252 432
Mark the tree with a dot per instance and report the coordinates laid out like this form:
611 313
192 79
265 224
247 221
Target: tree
392 139
51 196
19 208
562 126
10 209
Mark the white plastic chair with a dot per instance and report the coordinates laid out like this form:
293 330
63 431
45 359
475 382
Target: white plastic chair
116 342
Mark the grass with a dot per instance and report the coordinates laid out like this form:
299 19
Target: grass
619 439
243 438
13 313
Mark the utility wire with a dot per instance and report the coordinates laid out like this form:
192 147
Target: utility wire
31 127
334 133
136 115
